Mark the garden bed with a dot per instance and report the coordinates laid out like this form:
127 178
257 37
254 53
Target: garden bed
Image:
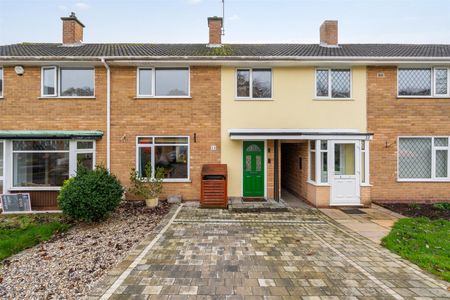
66 265
431 211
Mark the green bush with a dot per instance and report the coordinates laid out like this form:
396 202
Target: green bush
442 206
91 195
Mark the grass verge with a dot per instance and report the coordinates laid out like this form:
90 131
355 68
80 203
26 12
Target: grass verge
424 242
19 232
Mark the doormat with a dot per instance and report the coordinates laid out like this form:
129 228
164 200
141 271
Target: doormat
253 199
353 211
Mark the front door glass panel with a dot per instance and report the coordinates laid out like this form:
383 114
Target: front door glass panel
344 159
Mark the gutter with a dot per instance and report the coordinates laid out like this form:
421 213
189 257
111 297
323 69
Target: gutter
108 114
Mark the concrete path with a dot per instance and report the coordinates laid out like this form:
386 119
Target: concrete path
215 254
374 223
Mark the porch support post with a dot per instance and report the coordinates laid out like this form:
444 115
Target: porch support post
276 184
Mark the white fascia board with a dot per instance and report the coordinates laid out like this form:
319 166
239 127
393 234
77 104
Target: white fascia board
367 137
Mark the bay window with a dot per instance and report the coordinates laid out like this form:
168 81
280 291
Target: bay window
423 82
163 82
254 84
67 82
46 164
423 159
333 83
171 153
40 163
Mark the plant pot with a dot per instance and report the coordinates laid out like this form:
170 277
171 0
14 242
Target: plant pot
152 202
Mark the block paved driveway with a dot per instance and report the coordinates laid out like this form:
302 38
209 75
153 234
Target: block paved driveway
215 254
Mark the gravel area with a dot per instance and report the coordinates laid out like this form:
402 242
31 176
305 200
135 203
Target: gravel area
65 267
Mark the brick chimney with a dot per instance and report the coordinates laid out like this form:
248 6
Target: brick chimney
215 30
72 29
329 33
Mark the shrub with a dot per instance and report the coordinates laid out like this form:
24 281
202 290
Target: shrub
146 186
91 195
442 206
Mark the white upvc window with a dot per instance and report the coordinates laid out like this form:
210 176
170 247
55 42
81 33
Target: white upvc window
2 166
67 82
173 82
171 153
1 82
423 82
333 83
365 162
254 84
423 159
86 154
312 161
46 164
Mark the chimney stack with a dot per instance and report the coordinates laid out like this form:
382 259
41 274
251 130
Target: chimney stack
329 33
215 30
72 30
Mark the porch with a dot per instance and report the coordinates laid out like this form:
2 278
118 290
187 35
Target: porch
322 167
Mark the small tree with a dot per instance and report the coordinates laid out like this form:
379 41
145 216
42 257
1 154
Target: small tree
147 186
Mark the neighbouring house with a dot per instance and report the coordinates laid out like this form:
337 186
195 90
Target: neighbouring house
333 124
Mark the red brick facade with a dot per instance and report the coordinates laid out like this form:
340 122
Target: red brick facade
390 117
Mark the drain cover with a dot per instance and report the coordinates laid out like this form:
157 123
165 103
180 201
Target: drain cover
353 211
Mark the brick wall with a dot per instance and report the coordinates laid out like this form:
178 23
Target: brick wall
200 115
22 109
390 117
292 177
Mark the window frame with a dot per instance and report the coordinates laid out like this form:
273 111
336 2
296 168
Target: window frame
434 148
433 83
330 94
154 69
2 177
92 151
2 85
153 145
250 97
58 82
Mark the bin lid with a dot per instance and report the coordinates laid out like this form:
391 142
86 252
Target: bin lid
214 169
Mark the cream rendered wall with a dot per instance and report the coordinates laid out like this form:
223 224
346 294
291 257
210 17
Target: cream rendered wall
292 106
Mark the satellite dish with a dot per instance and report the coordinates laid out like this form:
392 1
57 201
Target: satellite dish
19 70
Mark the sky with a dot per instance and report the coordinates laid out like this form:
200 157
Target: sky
246 21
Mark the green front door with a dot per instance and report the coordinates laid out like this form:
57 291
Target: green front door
253 169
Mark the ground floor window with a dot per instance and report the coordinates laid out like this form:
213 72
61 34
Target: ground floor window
48 163
423 158
170 153
2 165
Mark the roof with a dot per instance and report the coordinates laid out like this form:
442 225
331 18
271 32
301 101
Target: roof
50 134
228 51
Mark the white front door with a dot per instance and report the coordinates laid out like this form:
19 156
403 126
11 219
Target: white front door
345 173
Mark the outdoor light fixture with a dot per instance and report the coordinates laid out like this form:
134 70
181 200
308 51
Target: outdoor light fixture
19 70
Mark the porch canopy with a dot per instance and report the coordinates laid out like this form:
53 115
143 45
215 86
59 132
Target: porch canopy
49 134
298 134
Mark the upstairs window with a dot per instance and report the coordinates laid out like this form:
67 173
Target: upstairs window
1 82
67 82
333 83
254 84
163 82
423 82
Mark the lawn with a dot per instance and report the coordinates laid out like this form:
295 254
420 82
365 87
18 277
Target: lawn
18 232
424 242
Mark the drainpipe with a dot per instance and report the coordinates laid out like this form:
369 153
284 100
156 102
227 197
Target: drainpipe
108 114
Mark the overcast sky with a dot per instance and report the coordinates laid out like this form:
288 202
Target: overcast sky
246 21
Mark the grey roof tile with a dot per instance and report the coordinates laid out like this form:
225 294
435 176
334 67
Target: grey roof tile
228 50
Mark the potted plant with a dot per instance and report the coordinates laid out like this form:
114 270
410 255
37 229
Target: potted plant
148 187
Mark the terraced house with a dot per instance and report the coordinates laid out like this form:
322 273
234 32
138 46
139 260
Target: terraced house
333 124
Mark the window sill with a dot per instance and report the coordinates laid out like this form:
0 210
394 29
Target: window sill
423 97
333 99
446 180
317 184
40 188
161 97
69 98
254 99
